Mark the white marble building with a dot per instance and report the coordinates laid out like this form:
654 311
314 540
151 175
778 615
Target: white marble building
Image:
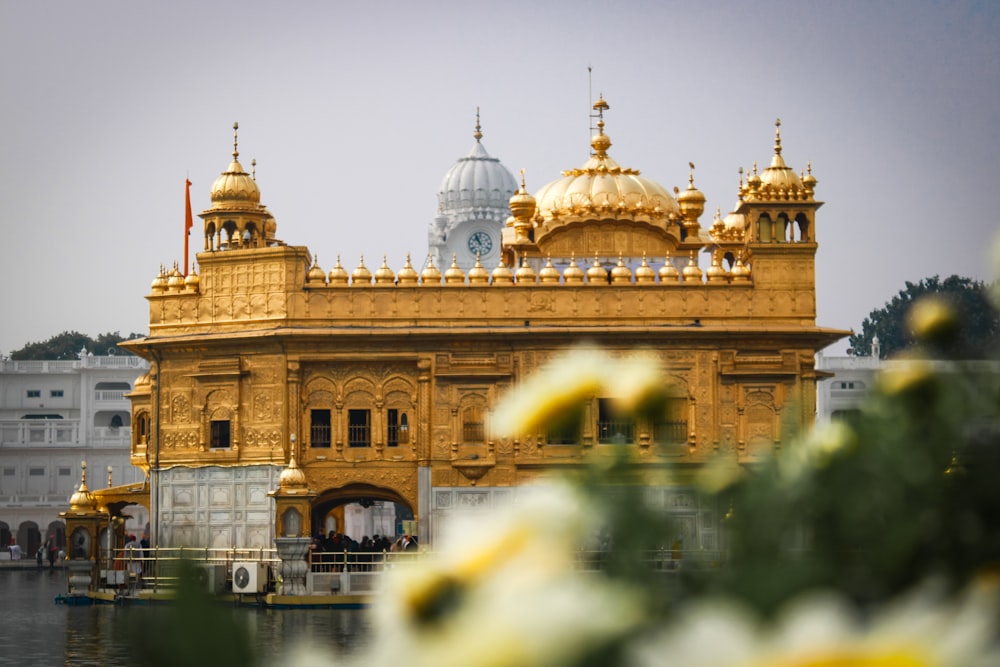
54 415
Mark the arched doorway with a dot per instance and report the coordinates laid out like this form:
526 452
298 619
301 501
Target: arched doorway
362 510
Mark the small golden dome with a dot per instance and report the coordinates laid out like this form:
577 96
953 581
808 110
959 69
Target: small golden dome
478 275
740 272
597 274
454 275
407 275
548 274
292 476
692 273
315 276
430 276
526 273
176 280
573 273
644 274
234 186
141 381
192 281
338 274
522 204
361 275
160 281
692 200
81 499
621 273
502 275
809 181
384 275
715 273
668 272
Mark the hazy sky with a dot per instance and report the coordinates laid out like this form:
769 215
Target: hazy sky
355 110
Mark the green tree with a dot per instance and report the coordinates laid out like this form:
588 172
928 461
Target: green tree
976 338
68 345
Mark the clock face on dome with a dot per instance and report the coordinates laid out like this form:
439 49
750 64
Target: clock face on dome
480 243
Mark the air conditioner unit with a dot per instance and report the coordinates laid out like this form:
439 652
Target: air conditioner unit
249 577
212 577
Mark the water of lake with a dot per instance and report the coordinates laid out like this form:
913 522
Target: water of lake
34 630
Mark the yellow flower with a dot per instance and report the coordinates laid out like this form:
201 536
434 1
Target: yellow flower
933 319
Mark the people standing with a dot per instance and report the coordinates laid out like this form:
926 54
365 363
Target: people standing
51 549
15 550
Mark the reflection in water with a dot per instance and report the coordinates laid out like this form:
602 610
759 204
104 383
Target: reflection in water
36 631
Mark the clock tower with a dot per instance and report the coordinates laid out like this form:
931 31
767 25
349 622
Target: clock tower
473 205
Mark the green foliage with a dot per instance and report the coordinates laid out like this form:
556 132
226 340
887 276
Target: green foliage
977 338
68 345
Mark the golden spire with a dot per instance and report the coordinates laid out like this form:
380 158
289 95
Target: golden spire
236 138
777 136
601 143
478 134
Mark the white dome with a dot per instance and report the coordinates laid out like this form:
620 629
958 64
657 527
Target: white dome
477 187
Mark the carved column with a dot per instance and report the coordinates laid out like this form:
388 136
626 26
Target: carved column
292 552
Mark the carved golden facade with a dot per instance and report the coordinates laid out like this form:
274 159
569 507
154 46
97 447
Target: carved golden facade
382 384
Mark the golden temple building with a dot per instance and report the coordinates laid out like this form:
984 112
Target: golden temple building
280 392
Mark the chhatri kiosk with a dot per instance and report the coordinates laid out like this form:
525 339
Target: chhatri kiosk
283 397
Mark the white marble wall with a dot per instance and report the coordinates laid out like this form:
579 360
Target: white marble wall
217 507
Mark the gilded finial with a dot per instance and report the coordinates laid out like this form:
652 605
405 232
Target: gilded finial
522 178
691 175
478 134
777 136
236 152
253 169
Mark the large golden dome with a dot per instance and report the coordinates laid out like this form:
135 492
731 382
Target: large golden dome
234 186
602 189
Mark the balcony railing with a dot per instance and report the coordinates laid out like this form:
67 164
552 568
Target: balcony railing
60 433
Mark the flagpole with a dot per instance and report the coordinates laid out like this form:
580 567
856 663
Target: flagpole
188 221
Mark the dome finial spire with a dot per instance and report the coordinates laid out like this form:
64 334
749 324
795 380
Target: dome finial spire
777 136
478 134
236 152
253 169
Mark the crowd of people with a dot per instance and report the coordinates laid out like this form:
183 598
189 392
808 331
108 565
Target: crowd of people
336 551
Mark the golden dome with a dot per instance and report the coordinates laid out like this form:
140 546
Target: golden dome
160 281
525 273
384 275
779 179
141 381
454 275
176 280
81 499
621 273
407 275
478 275
234 186
668 272
692 200
602 189
315 274
502 275
691 272
292 476
361 275
430 276
522 204
644 274
549 273
596 274
717 274
338 274
573 273
192 281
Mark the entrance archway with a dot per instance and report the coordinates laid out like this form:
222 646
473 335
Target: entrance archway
364 509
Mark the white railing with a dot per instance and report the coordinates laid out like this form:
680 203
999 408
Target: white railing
70 365
60 433
110 394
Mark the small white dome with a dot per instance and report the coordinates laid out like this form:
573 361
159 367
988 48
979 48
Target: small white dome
477 187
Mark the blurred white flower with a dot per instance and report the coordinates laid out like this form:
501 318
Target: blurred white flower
502 591
920 630
560 389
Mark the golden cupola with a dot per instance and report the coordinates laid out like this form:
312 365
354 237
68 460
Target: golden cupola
603 192
779 181
82 499
236 219
234 187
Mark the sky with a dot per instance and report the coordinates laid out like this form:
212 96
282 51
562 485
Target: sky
354 111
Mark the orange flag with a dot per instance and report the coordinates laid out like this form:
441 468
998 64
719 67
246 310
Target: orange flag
188 221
